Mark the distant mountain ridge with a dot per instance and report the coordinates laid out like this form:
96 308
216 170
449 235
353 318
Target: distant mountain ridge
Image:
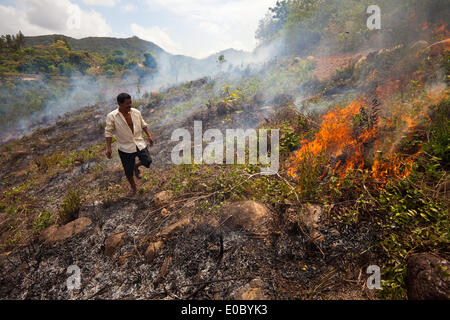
104 45
179 67
101 45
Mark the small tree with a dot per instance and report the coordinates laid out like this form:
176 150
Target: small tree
9 40
63 39
273 21
221 60
149 61
20 40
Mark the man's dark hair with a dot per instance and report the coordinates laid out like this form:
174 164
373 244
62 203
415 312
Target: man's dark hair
122 97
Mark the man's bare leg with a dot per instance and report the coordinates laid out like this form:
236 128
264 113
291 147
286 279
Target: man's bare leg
132 184
136 169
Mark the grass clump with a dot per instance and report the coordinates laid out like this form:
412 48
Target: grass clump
44 220
70 207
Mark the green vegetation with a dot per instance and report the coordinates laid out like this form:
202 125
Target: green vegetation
409 215
44 220
12 41
70 206
60 59
55 59
406 213
65 159
43 75
414 213
308 23
99 45
274 21
218 184
149 61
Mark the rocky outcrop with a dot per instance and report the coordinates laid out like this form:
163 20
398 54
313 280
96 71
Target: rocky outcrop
249 215
58 233
163 197
114 242
251 291
173 228
428 277
152 250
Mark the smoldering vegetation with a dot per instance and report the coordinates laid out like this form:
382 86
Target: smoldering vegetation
294 28
341 26
363 178
48 98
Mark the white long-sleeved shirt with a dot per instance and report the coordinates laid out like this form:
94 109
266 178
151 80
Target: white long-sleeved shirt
126 139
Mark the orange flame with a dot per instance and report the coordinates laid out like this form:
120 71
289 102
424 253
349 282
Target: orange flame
347 150
336 138
436 29
394 167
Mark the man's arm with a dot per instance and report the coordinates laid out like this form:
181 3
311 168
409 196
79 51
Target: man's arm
150 139
144 126
108 147
109 129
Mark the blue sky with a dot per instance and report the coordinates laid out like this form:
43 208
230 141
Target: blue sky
196 28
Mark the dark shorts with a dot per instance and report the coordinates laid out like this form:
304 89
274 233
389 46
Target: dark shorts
128 160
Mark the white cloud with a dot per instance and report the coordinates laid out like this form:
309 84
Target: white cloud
39 17
201 27
227 24
156 35
129 7
103 3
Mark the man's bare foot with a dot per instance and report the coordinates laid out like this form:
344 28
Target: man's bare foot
131 193
137 173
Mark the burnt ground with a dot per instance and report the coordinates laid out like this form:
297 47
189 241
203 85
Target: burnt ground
200 260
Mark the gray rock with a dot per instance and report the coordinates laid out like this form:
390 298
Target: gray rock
428 277
249 215
58 233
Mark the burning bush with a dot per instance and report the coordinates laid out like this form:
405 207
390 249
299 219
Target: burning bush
351 139
335 139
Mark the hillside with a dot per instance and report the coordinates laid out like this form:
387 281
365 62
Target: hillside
181 209
47 71
100 45
55 76
362 180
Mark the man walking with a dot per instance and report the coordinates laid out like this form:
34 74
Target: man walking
126 123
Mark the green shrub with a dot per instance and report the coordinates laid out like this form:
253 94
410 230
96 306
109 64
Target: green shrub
44 220
410 215
70 207
411 221
413 213
439 144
